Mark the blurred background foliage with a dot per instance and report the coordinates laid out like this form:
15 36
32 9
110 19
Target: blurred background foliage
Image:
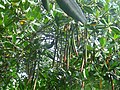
43 49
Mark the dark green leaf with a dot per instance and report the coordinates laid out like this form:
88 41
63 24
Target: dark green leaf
88 9
115 30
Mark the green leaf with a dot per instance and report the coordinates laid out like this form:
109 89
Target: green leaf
89 47
107 1
100 26
14 38
104 21
26 5
115 30
26 43
88 9
8 44
15 1
114 64
1 6
1 21
97 13
46 4
103 41
100 4
116 36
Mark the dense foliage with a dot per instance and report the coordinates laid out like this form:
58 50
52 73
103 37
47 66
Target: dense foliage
47 50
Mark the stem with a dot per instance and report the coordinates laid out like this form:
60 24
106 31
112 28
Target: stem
56 46
112 83
94 45
85 47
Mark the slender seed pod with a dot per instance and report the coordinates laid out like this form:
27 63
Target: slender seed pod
72 9
45 4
